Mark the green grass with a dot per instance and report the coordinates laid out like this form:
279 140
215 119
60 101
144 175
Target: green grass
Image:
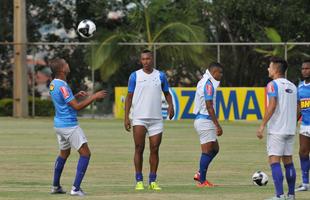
28 148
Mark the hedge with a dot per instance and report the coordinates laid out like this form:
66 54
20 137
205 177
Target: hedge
42 107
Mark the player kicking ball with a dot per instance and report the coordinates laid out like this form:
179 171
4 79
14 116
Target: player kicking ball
68 131
280 118
206 123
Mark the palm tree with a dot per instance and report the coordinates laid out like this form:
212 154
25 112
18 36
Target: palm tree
145 24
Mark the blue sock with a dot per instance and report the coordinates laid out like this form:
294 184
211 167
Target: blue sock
59 166
277 178
205 160
139 176
152 177
305 166
80 171
290 174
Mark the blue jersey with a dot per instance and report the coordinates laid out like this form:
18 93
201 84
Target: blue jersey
304 98
65 115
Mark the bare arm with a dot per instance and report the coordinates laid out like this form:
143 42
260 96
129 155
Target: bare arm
298 111
209 105
128 103
80 105
170 104
269 112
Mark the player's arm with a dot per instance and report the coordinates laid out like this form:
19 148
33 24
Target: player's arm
168 97
208 96
298 111
80 105
170 104
81 94
128 100
211 111
268 114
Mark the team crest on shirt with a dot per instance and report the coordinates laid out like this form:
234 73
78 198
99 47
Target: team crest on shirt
52 87
64 92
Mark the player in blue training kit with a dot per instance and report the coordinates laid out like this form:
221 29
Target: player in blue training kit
303 107
68 132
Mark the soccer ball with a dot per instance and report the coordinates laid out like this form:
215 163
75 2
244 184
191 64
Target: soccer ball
260 178
86 28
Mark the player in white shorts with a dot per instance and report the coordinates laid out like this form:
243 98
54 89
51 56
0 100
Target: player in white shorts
206 123
145 88
303 107
68 132
281 118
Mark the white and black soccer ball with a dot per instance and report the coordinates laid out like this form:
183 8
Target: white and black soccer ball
86 28
260 178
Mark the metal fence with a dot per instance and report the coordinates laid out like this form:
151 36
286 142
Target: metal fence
85 77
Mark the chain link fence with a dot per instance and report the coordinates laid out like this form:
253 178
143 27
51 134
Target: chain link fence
245 65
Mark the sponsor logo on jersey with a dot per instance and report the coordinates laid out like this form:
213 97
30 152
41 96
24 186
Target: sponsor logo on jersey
289 90
209 89
304 103
270 88
64 92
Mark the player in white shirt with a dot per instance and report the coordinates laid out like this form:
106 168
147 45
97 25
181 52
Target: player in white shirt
303 108
206 123
145 88
281 114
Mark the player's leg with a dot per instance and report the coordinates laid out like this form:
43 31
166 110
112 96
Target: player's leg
304 149
155 142
290 172
139 132
208 151
60 162
275 149
79 142
155 129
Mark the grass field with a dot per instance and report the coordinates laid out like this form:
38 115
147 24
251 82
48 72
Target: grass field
28 149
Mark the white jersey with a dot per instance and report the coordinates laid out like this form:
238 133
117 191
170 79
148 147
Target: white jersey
283 120
147 92
206 90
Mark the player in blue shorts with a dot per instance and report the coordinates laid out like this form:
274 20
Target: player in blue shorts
303 106
68 131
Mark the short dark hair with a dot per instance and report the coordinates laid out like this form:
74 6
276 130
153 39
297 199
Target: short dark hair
56 65
306 61
146 51
215 65
282 64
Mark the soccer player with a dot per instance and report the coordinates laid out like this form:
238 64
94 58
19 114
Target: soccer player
66 125
145 87
206 123
281 116
303 108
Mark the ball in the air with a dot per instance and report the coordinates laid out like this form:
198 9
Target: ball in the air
86 28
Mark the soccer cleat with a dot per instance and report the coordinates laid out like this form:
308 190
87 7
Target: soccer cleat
205 184
77 193
282 197
302 187
57 190
139 185
197 176
290 197
154 186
